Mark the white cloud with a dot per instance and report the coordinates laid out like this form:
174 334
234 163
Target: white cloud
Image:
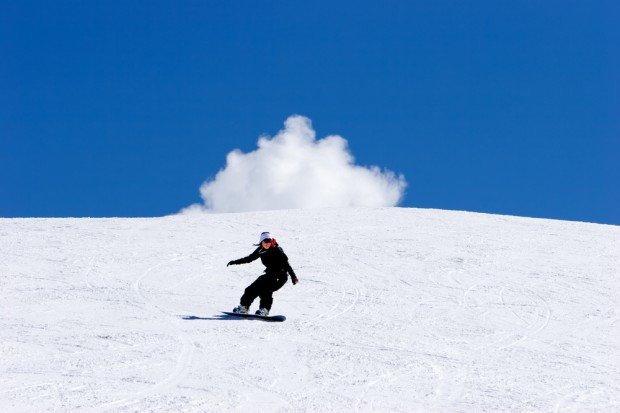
295 170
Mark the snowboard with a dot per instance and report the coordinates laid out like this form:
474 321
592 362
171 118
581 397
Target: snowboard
257 317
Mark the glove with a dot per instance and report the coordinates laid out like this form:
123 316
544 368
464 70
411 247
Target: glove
294 279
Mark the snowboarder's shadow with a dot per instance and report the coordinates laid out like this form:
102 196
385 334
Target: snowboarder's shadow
222 317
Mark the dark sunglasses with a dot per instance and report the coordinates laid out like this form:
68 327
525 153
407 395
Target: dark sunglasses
267 240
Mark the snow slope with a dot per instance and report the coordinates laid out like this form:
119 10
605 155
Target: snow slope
397 310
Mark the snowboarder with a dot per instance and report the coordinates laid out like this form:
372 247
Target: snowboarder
275 276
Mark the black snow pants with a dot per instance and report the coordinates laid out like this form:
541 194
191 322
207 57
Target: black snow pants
263 287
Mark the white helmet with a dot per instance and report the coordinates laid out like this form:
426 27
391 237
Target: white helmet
264 236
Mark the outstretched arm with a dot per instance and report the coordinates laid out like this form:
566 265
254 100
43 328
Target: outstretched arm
252 257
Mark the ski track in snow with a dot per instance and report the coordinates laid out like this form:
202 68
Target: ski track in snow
397 310
184 358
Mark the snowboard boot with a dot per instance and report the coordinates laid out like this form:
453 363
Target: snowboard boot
262 312
241 309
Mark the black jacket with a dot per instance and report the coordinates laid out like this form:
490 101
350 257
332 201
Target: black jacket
273 258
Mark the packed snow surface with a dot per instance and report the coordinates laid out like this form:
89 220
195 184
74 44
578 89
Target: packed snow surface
396 310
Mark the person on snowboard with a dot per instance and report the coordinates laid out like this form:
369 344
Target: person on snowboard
275 276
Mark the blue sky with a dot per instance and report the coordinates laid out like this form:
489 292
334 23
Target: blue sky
125 108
